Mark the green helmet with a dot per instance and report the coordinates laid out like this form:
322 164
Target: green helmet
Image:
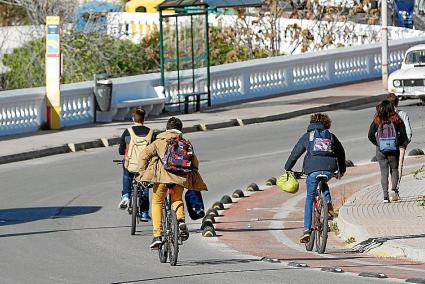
288 183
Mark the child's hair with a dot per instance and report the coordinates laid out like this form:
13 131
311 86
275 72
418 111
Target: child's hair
139 115
321 118
174 123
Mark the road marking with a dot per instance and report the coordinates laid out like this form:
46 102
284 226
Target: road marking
263 209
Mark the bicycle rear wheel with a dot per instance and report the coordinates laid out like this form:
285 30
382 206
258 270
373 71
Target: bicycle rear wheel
163 249
134 210
322 224
173 238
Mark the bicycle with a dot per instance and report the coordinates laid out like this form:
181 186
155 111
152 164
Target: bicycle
135 200
320 218
171 238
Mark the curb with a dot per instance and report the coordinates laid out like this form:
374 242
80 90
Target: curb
68 148
34 154
98 143
346 228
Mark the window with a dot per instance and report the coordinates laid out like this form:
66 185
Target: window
141 9
415 57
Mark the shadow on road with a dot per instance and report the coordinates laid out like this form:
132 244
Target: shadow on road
139 233
203 274
372 243
218 261
15 216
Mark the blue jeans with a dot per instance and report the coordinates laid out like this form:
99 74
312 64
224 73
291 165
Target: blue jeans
127 180
311 183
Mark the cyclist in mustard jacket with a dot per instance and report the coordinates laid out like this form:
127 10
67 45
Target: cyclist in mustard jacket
153 171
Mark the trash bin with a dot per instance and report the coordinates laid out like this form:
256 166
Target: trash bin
103 92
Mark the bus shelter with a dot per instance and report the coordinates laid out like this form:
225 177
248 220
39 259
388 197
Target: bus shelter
184 50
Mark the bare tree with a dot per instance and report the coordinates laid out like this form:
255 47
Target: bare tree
330 26
307 26
260 28
38 10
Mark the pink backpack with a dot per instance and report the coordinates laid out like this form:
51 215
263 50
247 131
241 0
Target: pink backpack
386 137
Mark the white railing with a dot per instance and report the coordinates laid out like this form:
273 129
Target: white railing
77 104
24 110
278 75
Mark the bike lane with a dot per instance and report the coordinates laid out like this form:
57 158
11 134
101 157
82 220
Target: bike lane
268 224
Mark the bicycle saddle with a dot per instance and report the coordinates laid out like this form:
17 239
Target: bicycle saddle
322 177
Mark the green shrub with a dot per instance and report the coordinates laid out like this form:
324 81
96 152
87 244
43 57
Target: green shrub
83 56
26 66
86 54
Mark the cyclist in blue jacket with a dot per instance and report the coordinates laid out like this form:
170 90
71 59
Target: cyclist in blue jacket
325 156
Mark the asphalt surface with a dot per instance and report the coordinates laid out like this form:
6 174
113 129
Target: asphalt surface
60 223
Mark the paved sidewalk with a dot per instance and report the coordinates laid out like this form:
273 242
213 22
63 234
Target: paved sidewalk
44 143
395 229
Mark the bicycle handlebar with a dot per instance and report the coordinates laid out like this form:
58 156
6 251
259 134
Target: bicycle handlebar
118 162
298 175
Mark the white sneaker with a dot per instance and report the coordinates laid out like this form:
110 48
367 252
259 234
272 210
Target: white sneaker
394 196
124 203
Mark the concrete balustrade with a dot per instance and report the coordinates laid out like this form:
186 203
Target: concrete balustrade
24 110
278 75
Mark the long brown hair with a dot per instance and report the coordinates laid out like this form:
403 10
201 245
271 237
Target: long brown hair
385 112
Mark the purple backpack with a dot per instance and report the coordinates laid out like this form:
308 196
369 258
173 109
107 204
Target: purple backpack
386 137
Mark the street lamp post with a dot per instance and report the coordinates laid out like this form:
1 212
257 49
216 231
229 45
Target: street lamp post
384 29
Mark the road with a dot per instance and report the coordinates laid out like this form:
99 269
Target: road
60 222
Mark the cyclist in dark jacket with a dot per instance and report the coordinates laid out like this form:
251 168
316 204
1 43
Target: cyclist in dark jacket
386 113
314 165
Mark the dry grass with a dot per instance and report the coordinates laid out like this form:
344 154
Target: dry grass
334 227
350 240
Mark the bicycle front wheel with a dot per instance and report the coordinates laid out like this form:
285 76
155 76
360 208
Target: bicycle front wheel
163 249
134 210
173 238
322 225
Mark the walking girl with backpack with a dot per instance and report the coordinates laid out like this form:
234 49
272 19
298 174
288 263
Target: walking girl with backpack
388 133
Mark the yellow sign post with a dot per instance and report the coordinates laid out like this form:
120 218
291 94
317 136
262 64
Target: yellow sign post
53 67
